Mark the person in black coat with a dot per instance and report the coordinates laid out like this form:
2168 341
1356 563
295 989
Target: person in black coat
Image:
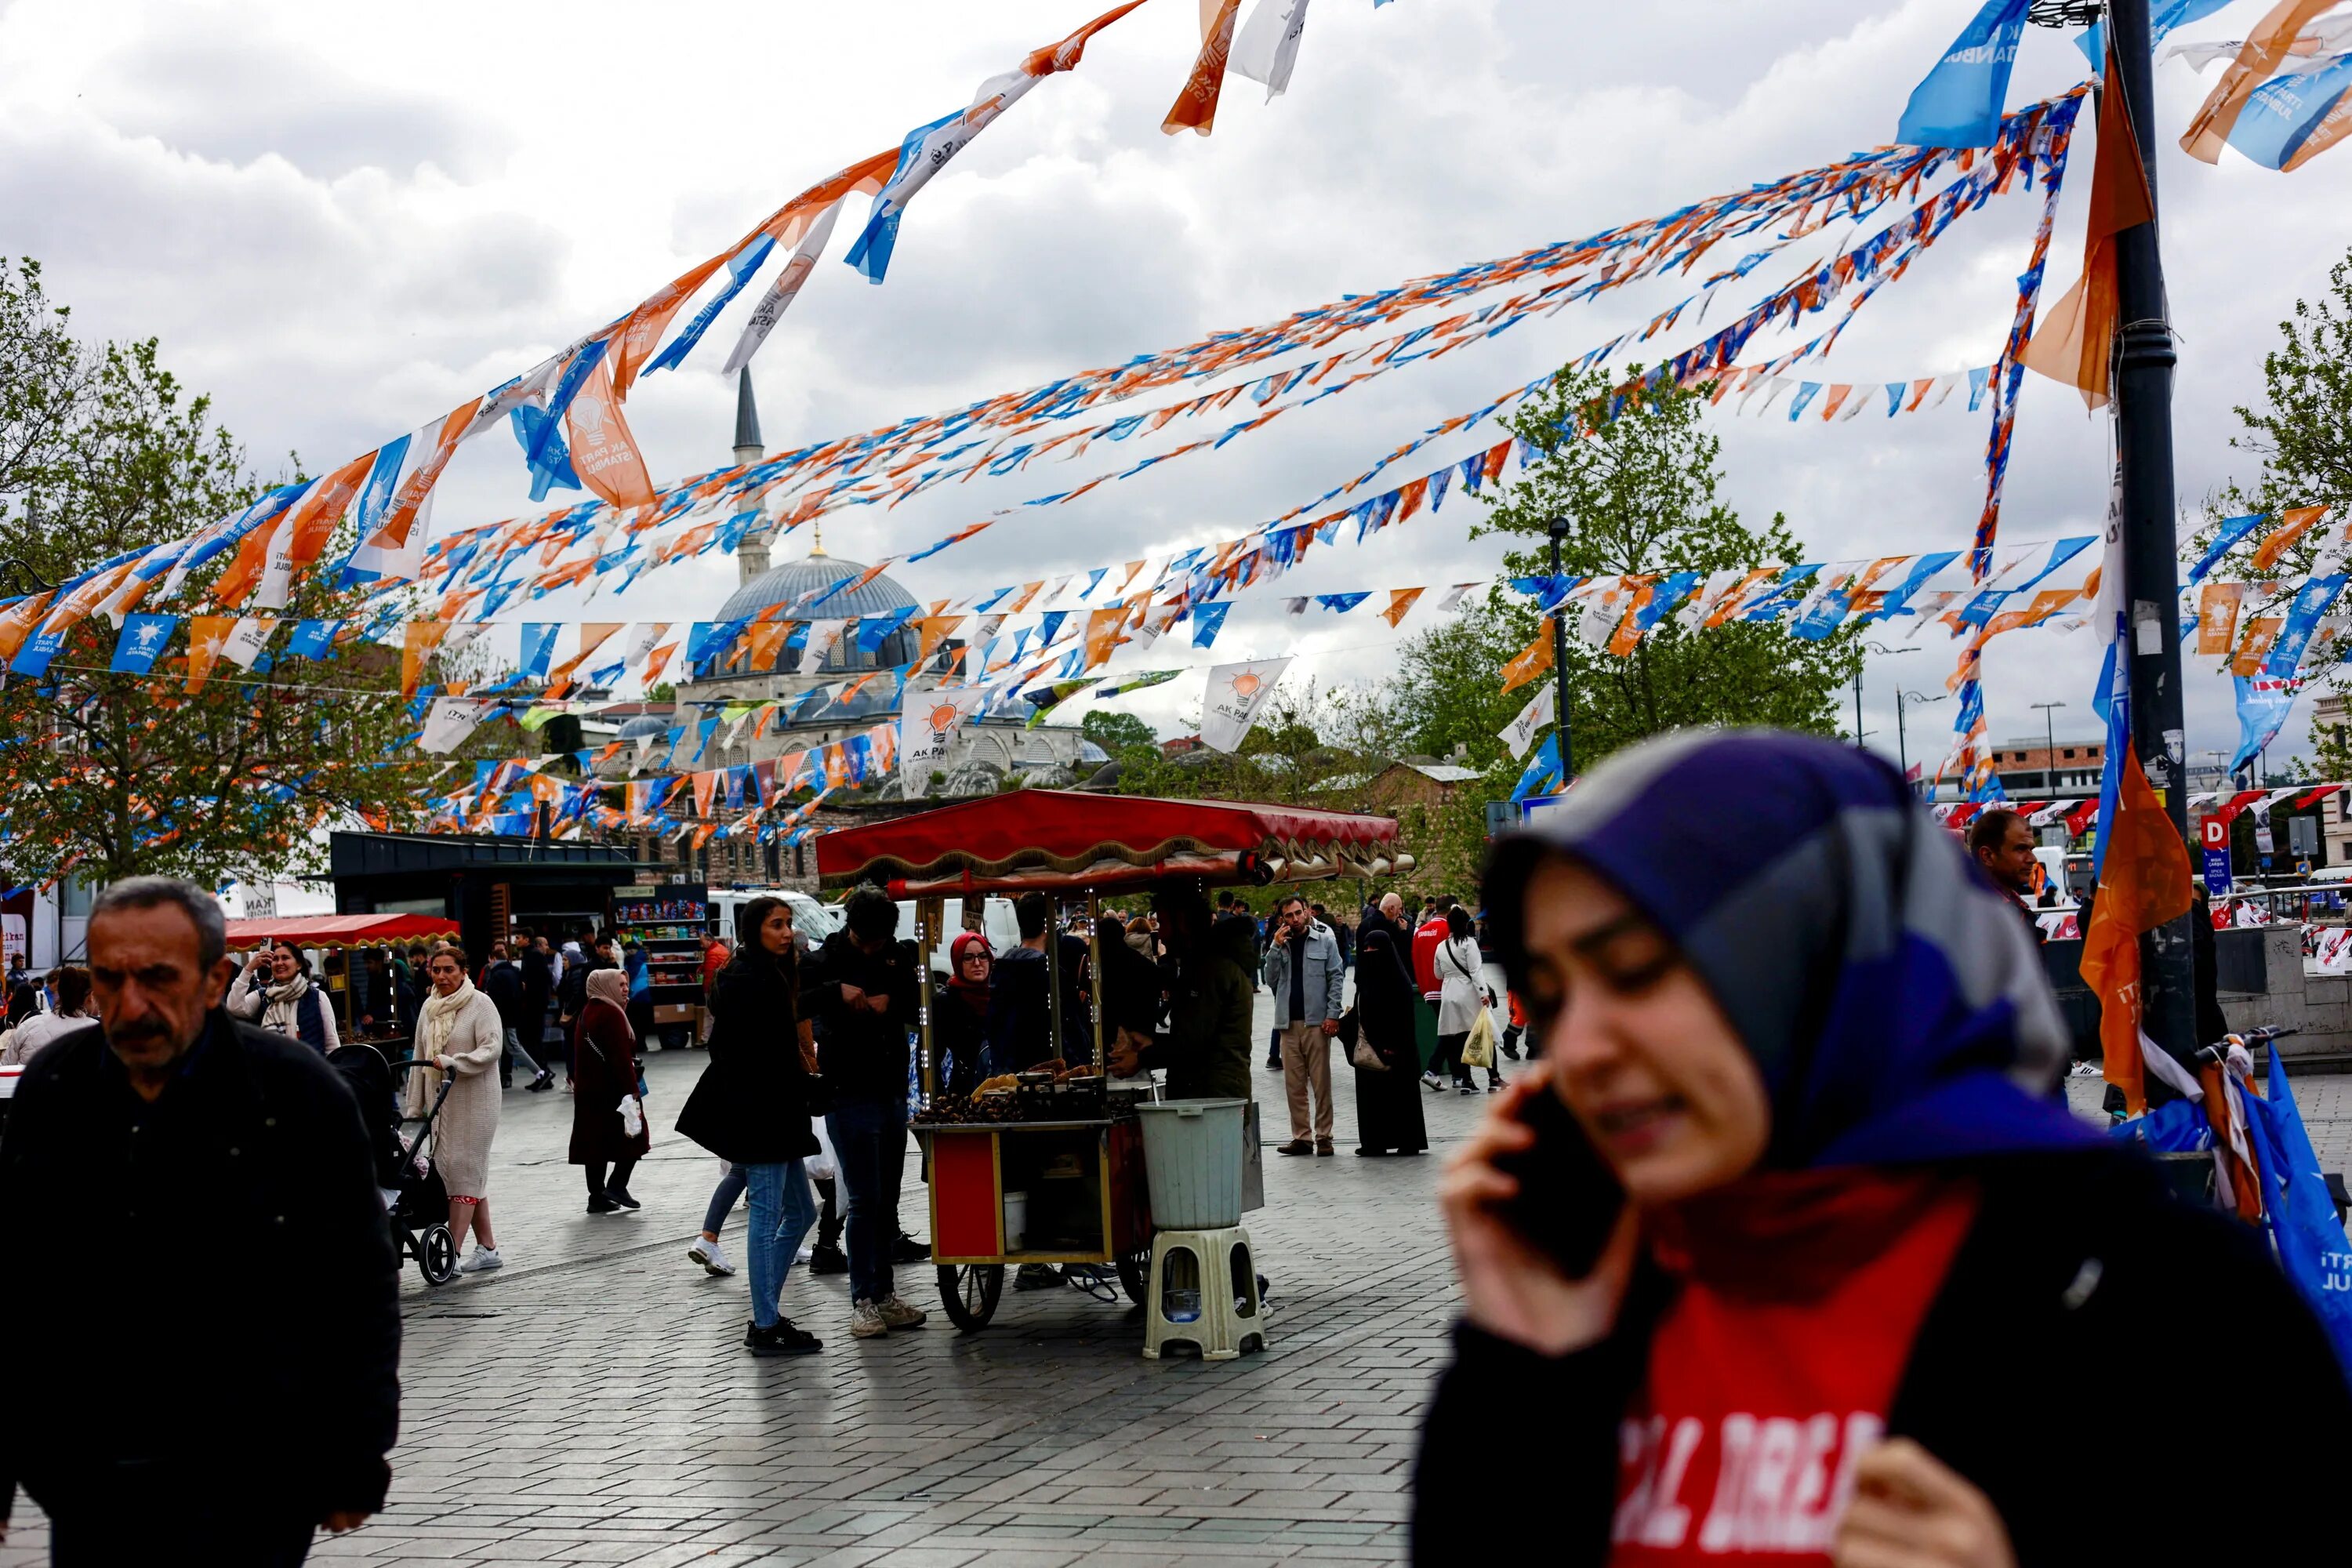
860 990
753 1105
154 1150
502 982
1786 1242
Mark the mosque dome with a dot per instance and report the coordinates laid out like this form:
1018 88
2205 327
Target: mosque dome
645 724
789 584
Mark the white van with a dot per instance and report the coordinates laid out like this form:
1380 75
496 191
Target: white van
812 921
998 923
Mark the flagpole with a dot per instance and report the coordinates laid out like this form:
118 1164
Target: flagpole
2151 575
1560 656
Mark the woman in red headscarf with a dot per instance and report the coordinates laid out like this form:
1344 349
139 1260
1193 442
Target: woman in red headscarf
965 1025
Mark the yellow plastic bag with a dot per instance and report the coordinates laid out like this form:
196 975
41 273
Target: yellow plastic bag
1478 1050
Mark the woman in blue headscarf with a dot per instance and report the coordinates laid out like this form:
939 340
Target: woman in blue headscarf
1787 1245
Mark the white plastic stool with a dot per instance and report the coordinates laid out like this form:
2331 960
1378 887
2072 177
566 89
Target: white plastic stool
1210 1277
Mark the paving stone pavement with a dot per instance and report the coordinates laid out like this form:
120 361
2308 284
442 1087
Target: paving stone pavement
591 1402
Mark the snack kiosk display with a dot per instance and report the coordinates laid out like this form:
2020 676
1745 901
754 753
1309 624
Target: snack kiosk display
1047 1166
670 921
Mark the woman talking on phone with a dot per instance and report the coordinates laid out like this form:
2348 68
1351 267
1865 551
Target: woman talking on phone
1786 1245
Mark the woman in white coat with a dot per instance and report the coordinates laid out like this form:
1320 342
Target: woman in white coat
461 1035
1461 996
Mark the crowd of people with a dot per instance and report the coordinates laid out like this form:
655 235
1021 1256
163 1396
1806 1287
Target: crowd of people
1779 1192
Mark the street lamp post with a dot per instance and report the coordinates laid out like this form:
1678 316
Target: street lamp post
1559 531
2050 741
1871 648
1903 699
2144 486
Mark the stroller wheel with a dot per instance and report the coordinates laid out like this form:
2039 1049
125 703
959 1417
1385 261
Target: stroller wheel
436 1256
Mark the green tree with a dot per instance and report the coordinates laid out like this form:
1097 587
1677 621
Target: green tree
1634 474
1118 733
115 774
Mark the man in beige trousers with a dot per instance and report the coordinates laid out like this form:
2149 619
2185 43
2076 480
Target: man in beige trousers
1304 968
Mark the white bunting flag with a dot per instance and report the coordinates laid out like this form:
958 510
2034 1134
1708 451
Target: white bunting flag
1236 693
246 639
1266 47
927 726
824 636
451 720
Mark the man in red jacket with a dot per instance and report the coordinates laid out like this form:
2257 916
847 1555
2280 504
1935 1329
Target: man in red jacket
1426 940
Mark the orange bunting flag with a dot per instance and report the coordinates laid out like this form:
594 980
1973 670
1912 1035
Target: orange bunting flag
2217 618
1195 108
208 633
17 621
934 631
417 645
1102 634
1409 497
2260 632
2294 523
2143 884
706 786
2075 340
1401 603
1623 640
656 661
604 453
1531 661
767 640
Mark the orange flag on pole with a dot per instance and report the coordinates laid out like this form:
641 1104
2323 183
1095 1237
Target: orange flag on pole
206 633
2217 618
2076 337
2144 884
1531 661
1401 603
2265 50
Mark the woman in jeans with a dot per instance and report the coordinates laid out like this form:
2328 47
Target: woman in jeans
752 1109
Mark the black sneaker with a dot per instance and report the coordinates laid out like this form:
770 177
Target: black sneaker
907 1250
599 1202
539 1085
621 1196
780 1339
828 1261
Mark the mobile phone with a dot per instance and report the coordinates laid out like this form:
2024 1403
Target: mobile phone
1569 1199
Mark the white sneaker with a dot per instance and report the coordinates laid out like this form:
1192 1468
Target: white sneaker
481 1260
866 1321
896 1314
709 1255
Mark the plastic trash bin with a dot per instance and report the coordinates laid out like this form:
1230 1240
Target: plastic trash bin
1193 1163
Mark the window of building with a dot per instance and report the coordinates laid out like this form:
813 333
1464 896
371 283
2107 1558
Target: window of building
2068 752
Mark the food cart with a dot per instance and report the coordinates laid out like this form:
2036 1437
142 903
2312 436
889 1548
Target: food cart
338 940
1051 1172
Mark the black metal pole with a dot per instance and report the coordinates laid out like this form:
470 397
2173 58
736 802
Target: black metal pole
2151 575
1902 745
1857 705
1559 656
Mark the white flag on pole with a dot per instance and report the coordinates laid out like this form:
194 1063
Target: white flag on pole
1236 693
926 728
451 720
1521 733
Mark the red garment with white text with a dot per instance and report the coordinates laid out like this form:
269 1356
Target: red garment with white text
1773 1371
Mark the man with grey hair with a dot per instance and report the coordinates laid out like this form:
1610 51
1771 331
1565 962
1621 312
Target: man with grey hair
160 1149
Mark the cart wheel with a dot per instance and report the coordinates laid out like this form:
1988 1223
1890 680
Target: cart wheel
970 1291
1135 1273
436 1256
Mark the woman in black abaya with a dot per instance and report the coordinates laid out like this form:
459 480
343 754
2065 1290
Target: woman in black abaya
1388 1102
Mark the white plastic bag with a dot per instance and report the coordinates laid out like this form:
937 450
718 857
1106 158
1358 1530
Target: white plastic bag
823 1167
632 1115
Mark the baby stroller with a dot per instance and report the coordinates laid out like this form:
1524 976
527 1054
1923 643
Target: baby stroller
420 1212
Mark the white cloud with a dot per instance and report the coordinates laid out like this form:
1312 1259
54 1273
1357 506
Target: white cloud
342 227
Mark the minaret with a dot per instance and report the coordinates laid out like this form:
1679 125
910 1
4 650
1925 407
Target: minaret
752 555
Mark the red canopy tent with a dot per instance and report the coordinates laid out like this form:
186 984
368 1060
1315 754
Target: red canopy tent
1047 839
342 930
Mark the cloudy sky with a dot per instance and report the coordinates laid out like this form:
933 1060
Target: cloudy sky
340 227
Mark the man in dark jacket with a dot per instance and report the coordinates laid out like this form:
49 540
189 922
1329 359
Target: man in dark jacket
134 1147
859 991
1025 990
502 983
1206 1050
